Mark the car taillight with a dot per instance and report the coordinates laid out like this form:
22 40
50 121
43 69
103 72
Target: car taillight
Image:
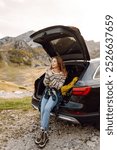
80 91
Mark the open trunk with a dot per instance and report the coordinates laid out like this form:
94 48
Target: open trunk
73 68
64 41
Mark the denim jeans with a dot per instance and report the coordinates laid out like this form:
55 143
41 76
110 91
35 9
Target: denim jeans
46 106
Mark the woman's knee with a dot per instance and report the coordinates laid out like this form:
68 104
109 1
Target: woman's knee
47 109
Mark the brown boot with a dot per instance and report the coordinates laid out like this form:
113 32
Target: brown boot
44 140
38 139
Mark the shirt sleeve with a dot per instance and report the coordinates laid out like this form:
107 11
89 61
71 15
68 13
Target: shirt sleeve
46 78
61 81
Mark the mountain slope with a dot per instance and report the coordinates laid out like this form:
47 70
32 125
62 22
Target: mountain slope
23 51
93 48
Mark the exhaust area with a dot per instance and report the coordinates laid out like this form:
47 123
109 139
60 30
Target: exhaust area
67 118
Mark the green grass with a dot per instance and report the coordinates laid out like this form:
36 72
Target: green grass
15 103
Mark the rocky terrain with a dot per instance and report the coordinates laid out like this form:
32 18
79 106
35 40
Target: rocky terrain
22 50
18 130
25 37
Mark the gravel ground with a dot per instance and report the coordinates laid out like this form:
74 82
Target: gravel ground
18 130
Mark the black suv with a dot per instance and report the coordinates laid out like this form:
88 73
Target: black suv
82 103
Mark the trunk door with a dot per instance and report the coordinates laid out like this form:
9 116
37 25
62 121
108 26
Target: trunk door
64 41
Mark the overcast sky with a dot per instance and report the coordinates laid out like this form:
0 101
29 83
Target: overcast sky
19 16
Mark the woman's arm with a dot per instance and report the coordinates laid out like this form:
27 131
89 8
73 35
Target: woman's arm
61 81
46 78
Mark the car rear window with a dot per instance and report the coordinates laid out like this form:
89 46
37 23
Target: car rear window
66 45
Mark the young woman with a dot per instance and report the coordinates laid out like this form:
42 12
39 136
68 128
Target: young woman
54 80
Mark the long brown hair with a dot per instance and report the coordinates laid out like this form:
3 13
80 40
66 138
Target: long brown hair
61 65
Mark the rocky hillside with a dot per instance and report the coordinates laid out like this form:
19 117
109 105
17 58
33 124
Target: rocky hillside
25 37
93 48
23 51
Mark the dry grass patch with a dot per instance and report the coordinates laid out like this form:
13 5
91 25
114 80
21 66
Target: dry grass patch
13 78
9 86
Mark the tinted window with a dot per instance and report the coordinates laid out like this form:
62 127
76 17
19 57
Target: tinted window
66 45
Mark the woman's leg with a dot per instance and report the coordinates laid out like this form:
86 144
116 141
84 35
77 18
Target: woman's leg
47 109
43 138
43 104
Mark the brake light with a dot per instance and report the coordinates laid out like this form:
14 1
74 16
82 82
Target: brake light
80 91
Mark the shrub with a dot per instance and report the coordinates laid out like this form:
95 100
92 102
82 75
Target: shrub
20 57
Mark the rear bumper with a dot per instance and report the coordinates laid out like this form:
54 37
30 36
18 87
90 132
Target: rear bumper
77 119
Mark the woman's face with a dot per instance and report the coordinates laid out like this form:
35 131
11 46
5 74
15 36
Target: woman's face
54 63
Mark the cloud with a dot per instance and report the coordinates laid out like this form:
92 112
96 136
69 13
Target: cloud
24 15
18 1
2 4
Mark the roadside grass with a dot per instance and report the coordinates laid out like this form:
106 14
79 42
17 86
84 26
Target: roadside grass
15 103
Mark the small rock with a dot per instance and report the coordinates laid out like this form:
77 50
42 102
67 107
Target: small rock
65 148
77 147
90 144
18 92
94 138
1 124
14 116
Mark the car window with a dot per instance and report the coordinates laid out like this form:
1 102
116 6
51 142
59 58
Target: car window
65 45
97 73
